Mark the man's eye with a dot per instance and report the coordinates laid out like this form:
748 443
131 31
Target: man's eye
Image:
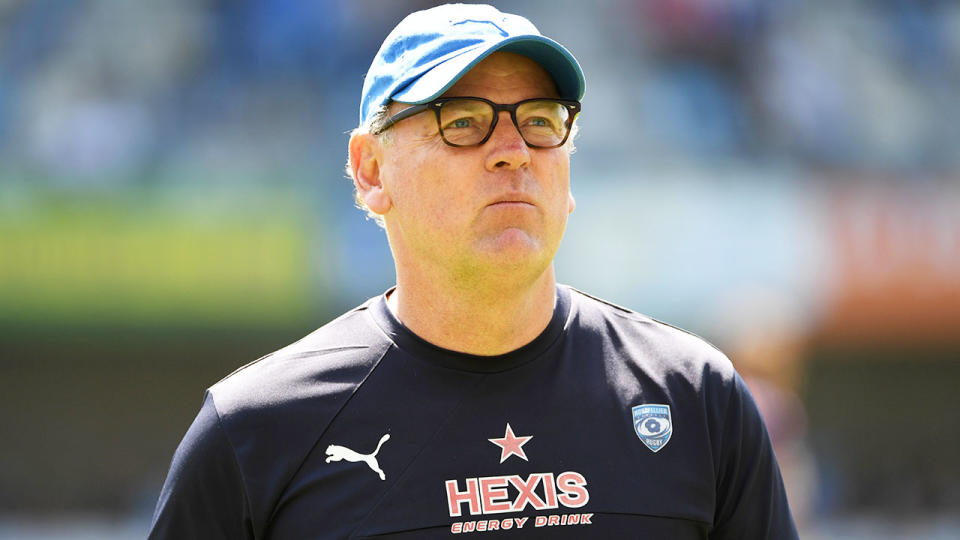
460 123
539 122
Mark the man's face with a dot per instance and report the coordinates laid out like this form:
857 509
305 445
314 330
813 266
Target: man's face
496 209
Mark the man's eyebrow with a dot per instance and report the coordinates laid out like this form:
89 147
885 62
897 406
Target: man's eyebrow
471 105
542 104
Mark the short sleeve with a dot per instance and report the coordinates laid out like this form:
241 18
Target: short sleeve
204 495
751 501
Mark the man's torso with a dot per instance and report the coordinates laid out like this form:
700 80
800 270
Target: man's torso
307 444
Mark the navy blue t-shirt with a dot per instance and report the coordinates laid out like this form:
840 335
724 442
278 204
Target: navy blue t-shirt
608 425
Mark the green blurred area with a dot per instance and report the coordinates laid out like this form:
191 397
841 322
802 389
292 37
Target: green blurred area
117 310
139 257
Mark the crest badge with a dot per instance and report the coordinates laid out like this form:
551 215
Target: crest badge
653 424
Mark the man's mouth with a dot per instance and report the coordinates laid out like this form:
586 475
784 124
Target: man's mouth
512 199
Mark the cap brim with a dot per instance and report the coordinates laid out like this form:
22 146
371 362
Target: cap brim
555 59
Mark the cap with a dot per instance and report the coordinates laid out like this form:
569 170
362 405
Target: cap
430 50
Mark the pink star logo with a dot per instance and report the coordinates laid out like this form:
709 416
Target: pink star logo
511 445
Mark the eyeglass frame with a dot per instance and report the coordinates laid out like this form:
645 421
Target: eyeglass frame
572 105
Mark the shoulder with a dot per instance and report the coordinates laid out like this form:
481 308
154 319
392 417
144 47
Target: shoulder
272 411
327 361
665 353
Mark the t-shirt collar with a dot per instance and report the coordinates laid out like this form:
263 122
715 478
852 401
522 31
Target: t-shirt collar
411 343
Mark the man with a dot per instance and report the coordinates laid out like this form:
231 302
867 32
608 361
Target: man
477 396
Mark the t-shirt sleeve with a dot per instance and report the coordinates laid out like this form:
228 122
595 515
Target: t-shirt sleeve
204 494
751 501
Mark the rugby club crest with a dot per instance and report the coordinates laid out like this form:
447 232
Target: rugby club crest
653 425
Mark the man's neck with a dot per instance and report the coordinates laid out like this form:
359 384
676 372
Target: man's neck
474 321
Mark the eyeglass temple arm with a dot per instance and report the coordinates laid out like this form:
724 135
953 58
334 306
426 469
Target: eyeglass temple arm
406 113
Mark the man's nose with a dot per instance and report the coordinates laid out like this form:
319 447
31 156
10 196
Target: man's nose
506 147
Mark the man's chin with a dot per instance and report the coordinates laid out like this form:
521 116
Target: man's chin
512 244
512 255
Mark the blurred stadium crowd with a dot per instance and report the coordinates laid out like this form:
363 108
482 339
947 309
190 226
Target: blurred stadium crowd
782 176
96 88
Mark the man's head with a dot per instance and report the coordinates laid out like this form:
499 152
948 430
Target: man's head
468 185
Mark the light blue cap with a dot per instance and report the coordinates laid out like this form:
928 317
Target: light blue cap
430 50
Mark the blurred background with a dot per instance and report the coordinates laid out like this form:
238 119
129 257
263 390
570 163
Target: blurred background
781 177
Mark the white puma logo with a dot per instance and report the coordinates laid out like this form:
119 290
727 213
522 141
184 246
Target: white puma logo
340 453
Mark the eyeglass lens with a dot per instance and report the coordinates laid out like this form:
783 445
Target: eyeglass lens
466 122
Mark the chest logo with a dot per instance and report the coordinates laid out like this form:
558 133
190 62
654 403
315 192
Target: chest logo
653 424
478 501
342 453
511 445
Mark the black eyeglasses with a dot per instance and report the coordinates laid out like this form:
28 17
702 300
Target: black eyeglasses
469 121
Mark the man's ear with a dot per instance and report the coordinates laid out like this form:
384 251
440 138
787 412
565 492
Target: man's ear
365 158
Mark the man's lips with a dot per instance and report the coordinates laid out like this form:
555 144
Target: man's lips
507 204
512 199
